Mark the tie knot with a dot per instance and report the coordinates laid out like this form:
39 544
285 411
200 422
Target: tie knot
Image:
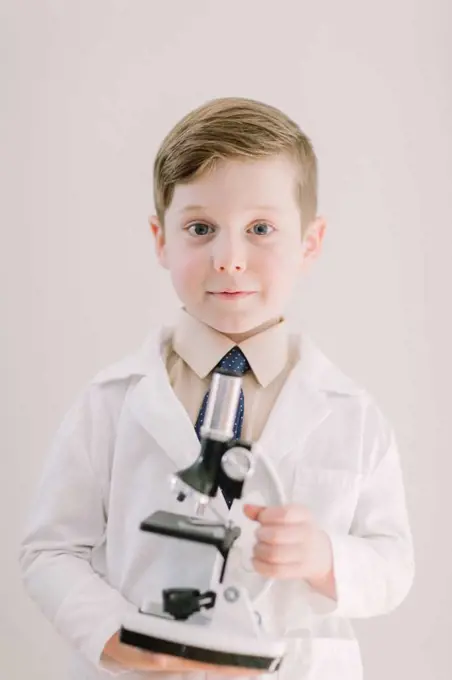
235 361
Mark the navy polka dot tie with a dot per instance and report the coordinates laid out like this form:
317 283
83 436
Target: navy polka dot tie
235 361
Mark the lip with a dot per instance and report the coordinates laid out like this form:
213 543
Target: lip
232 294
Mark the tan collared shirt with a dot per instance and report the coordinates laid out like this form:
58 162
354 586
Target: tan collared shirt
195 349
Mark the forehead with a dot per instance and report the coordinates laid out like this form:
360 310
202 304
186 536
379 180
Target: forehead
242 185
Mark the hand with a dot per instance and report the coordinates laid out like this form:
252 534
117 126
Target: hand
289 544
139 659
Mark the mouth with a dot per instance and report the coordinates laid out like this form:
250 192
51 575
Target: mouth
232 294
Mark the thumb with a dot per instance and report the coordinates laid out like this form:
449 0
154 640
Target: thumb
252 511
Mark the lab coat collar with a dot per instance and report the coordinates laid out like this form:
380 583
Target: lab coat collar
313 369
303 404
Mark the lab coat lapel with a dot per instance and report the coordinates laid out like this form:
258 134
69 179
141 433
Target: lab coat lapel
298 410
153 403
304 402
157 408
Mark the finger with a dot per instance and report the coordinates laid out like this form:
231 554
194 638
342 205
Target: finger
144 660
282 514
278 571
278 554
235 671
179 663
174 663
167 662
283 534
252 511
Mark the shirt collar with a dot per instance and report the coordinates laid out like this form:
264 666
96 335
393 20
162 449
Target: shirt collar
202 347
313 368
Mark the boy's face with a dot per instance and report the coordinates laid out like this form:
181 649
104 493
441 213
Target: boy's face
232 243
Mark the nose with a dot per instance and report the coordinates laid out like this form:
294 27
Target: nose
229 256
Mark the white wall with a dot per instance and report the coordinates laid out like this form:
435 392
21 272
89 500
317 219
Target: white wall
89 88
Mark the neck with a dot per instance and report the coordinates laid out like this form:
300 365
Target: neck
241 337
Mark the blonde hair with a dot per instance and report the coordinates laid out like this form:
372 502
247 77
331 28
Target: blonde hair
230 128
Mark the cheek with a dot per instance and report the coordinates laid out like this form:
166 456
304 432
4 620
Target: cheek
281 266
187 271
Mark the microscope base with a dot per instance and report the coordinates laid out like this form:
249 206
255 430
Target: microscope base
210 645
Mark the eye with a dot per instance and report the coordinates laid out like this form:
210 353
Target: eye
262 229
199 229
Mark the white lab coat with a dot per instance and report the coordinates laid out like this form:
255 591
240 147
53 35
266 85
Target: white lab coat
87 565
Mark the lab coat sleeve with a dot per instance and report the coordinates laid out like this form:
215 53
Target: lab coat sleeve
67 520
374 564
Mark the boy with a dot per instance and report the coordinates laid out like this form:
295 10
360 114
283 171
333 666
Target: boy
235 188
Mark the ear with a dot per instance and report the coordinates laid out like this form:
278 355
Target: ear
312 241
159 240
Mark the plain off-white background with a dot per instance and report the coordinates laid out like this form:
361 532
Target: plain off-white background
88 90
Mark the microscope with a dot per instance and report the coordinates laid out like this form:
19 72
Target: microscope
220 625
